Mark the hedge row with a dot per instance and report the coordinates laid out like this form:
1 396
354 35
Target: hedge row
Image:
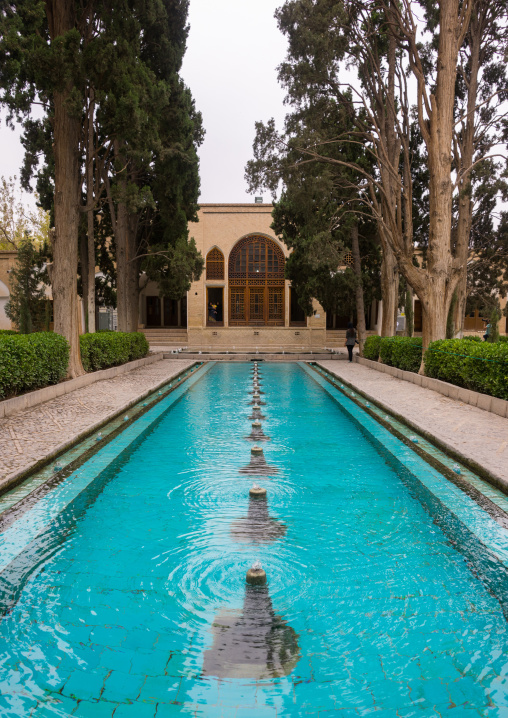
402 352
371 347
104 349
481 366
31 361
468 362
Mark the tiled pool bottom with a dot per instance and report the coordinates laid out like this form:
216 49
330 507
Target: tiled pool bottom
122 590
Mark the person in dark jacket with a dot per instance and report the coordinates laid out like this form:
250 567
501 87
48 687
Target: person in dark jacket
350 339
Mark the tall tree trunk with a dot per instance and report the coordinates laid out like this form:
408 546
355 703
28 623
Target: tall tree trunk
65 248
66 134
132 290
90 285
436 285
390 204
360 308
121 264
83 258
127 269
409 311
465 212
389 292
127 264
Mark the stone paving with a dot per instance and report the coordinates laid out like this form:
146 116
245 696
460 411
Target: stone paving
476 434
30 435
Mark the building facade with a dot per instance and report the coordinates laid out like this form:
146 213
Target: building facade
242 299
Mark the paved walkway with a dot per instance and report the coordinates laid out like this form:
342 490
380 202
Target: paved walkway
30 435
476 434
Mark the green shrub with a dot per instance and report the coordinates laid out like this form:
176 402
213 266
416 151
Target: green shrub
503 337
402 352
105 349
481 366
371 347
7 332
472 338
31 361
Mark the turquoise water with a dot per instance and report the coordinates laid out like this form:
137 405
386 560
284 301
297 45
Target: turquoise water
118 598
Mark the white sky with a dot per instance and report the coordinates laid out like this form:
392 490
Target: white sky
233 50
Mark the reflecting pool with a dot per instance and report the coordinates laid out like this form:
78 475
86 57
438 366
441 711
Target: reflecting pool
132 601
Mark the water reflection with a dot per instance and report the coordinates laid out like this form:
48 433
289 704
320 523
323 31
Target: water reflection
258 463
256 643
258 526
256 413
257 433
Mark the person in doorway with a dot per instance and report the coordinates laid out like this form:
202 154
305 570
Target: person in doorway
350 339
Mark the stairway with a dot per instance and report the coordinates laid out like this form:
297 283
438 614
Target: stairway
166 337
335 338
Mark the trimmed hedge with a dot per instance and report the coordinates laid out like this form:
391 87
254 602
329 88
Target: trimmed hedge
105 349
503 338
472 338
371 347
7 332
31 361
401 352
478 366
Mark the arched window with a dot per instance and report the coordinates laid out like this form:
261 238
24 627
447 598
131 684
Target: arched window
215 264
256 283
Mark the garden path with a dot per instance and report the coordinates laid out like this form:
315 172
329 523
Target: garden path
478 435
33 434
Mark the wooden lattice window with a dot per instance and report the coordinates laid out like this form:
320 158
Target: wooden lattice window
256 264
276 304
237 303
215 264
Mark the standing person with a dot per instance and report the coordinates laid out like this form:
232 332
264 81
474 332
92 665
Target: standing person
350 339
488 329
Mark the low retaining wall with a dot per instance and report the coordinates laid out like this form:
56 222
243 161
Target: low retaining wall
33 398
466 396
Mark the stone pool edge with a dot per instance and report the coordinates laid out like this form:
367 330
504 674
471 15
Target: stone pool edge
17 477
492 478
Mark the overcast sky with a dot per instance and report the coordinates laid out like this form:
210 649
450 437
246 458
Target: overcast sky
233 50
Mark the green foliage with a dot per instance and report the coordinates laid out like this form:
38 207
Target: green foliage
503 338
472 338
6 332
174 267
31 361
27 302
480 366
105 349
371 347
402 352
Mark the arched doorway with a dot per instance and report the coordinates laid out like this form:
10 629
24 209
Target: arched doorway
256 283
